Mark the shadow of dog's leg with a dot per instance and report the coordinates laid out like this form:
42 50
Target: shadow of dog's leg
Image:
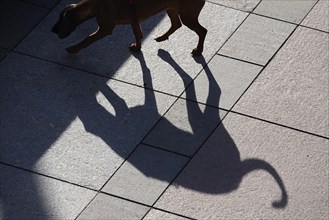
100 33
175 24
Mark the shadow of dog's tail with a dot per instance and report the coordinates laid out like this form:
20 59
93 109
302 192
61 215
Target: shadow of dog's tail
250 165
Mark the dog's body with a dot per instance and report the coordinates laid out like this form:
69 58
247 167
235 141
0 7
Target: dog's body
109 13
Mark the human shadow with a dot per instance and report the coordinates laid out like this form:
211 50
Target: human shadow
217 168
39 102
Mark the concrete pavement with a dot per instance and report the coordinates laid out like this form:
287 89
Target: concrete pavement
239 133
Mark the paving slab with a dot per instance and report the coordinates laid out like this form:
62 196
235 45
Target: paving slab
282 92
17 19
25 195
155 214
250 169
318 17
110 56
72 125
184 127
257 39
145 175
231 76
292 10
109 207
245 5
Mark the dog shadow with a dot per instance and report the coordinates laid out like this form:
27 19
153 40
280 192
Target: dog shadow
60 101
219 167
220 170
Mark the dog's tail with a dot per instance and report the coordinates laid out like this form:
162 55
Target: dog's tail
256 164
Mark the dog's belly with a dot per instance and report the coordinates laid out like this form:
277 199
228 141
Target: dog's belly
142 9
148 8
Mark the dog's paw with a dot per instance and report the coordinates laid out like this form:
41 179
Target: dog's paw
134 47
196 52
161 38
72 50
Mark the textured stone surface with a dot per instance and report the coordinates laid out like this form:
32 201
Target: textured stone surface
318 17
17 19
73 125
232 176
78 127
287 10
246 5
145 175
25 195
111 57
109 207
257 39
282 92
184 127
231 76
155 214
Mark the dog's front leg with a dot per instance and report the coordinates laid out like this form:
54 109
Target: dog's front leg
138 36
100 33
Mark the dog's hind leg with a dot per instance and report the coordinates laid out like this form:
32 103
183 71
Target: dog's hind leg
175 24
189 17
100 33
138 36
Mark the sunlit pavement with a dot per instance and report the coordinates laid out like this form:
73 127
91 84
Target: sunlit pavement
241 132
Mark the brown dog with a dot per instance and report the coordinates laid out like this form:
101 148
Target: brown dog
109 13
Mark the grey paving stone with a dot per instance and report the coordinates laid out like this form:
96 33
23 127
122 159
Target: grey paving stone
185 127
17 19
145 175
291 10
112 208
155 214
44 3
318 17
69 124
257 39
246 5
238 172
25 195
111 57
294 88
231 76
